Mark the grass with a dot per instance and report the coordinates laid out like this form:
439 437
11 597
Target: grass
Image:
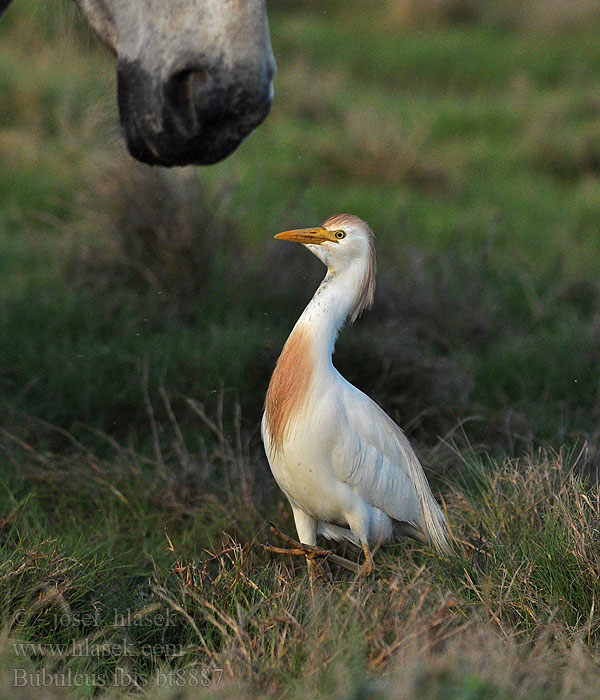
143 310
523 583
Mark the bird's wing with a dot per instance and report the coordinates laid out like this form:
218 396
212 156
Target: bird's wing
374 457
370 456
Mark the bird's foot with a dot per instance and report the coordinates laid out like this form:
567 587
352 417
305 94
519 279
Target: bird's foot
297 548
311 553
316 572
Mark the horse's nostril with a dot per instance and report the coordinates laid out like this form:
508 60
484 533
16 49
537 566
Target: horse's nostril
181 92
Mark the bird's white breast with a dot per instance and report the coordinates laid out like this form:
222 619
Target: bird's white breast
328 465
302 463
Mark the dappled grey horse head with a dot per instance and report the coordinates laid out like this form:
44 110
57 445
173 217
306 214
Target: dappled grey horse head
194 76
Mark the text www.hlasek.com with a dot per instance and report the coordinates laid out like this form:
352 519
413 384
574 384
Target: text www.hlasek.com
191 677
104 649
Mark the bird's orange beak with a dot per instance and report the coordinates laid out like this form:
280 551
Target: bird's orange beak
314 236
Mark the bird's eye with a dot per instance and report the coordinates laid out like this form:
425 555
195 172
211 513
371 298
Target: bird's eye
340 234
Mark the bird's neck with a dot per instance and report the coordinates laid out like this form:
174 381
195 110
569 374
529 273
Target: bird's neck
326 312
305 361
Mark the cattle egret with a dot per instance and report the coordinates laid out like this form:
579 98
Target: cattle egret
347 469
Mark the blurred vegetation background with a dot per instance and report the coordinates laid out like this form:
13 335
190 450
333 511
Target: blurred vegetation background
466 133
142 310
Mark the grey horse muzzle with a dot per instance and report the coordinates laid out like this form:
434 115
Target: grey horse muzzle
197 115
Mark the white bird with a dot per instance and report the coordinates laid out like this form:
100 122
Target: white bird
347 469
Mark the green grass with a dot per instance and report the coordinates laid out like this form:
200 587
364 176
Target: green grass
467 144
142 311
195 591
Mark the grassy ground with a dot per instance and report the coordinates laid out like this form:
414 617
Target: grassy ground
142 311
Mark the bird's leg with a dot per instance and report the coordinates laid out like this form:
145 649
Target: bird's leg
367 568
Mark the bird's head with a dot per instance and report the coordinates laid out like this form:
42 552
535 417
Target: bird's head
341 242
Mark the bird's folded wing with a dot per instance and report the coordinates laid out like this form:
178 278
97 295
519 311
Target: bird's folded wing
374 457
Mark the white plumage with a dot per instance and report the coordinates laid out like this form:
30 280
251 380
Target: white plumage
347 469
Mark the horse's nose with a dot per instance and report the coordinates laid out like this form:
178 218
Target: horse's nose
189 96
184 94
196 114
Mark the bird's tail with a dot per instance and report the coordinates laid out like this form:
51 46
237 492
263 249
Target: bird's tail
434 524
433 521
